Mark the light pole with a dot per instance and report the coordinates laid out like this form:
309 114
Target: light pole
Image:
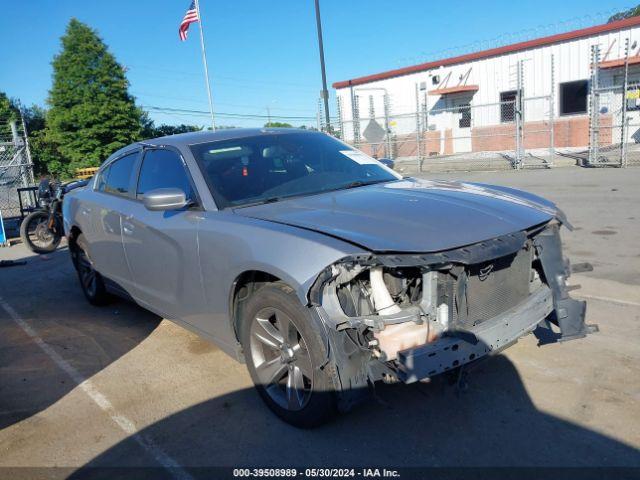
325 93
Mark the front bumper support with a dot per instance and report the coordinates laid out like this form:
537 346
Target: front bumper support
569 313
493 335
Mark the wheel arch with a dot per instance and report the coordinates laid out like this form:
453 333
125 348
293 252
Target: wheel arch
245 285
72 238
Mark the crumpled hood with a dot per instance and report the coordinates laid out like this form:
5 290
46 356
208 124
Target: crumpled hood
411 215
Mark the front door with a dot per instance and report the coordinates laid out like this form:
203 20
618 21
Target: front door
461 125
161 246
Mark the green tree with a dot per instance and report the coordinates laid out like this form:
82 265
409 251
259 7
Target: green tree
277 125
8 113
42 152
35 118
91 111
164 130
632 12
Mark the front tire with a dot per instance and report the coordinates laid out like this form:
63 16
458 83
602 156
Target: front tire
36 234
286 357
91 281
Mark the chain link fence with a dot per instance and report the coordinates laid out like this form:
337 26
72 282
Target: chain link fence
16 168
453 133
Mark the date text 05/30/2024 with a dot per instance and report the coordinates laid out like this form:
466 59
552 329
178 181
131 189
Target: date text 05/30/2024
316 472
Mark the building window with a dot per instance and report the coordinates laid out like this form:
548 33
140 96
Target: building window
465 116
573 97
508 106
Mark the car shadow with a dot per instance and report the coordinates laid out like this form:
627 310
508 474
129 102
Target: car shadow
46 294
492 423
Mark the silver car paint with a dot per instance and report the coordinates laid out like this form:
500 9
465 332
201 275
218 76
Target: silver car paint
409 215
183 265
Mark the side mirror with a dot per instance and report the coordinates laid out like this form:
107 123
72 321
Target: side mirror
164 199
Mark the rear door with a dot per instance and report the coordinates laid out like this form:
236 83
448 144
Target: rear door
113 196
161 246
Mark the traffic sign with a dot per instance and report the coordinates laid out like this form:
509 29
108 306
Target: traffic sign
374 133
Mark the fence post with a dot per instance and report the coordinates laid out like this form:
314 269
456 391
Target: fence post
552 115
340 120
594 104
518 111
624 124
418 128
425 108
387 127
24 165
30 178
355 118
15 138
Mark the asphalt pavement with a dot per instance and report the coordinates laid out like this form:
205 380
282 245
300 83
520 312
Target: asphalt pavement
117 386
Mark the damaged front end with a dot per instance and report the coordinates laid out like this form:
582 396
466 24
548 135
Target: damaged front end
408 317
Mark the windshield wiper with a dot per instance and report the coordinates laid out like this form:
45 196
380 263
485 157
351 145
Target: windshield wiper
360 183
260 202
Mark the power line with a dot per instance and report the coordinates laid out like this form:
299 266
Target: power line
247 116
233 81
200 102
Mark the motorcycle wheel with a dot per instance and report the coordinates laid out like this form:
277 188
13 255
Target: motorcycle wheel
36 235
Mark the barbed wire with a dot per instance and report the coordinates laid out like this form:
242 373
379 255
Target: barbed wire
508 38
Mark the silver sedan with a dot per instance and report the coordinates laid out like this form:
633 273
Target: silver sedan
321 268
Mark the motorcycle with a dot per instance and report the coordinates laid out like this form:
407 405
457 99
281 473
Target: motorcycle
42 230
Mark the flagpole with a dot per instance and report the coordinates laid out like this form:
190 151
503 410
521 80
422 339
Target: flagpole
206 69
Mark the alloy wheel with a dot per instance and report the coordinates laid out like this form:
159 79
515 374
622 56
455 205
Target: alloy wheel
281 359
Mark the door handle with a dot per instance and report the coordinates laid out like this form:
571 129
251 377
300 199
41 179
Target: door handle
128 228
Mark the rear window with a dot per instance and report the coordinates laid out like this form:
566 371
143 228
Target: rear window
280 165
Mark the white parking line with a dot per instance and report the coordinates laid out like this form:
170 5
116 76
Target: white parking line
608 299
125 424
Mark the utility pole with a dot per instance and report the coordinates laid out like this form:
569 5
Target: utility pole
325 92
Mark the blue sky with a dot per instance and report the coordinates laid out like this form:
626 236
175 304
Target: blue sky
264 54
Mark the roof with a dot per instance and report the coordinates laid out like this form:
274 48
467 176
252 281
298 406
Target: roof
492 52
192 138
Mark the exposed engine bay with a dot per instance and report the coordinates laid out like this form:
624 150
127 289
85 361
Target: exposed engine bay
409 317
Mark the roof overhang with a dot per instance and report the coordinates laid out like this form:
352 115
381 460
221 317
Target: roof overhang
618 63
493 52
458 89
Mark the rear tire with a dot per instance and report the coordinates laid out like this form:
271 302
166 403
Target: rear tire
91 281
36 235
286 357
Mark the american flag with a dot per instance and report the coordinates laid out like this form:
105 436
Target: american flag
189 17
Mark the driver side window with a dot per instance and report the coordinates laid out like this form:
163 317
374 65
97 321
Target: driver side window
163 169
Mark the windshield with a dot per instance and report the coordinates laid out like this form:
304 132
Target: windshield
267 168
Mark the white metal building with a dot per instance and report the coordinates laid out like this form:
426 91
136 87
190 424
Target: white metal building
469 103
